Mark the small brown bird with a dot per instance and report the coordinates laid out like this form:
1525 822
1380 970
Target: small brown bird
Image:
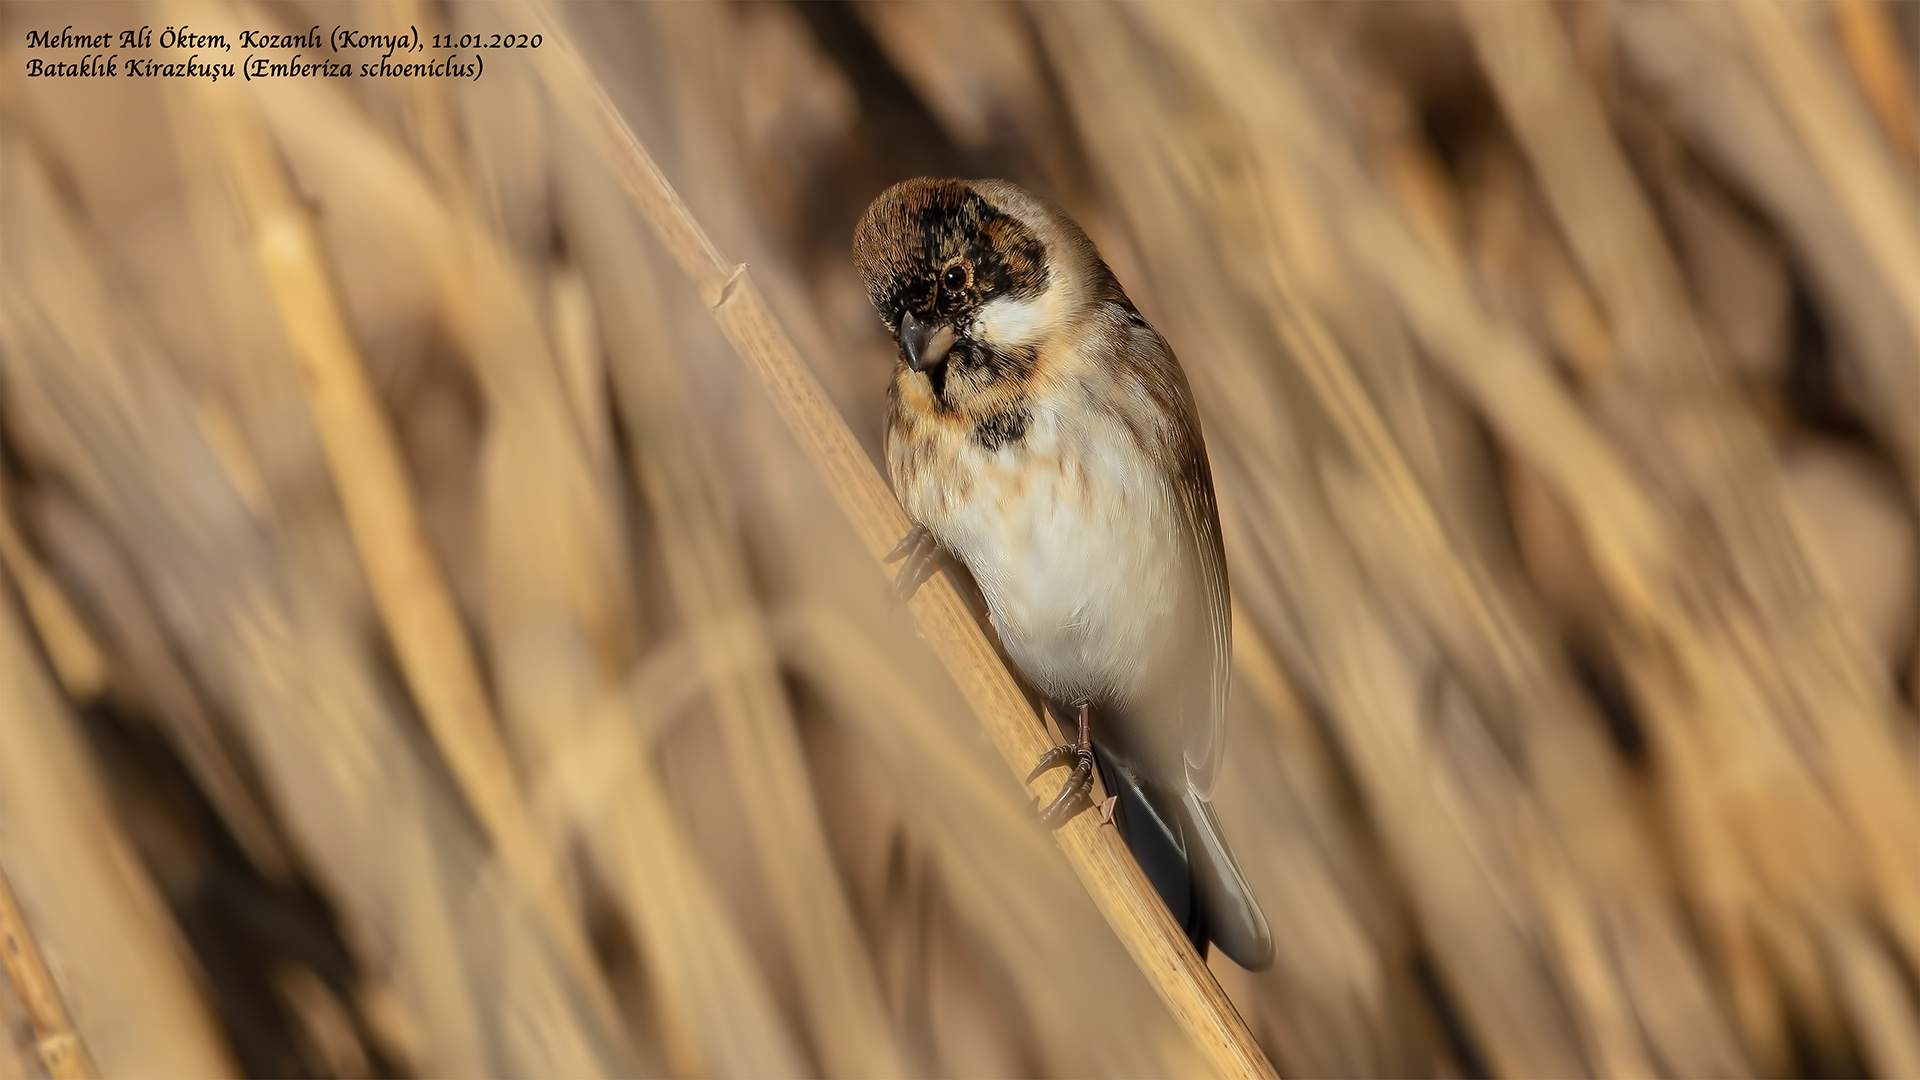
1042 432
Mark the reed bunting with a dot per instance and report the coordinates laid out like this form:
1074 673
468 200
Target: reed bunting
1041 431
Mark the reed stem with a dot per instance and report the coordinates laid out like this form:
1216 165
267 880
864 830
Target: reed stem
1097 854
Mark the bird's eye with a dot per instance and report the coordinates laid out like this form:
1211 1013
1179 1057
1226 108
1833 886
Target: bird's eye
958 276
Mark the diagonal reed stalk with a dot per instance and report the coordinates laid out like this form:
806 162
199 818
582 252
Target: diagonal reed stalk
412 594
76 657
59 1046
1097 854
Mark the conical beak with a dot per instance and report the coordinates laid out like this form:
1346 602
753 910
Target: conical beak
926 343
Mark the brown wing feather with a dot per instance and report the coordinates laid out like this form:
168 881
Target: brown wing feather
1204 698
1206 742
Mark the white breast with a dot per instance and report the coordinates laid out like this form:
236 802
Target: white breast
1073 538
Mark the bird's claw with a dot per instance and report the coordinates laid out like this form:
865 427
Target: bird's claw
1073 794
1059 755
922 554
907 543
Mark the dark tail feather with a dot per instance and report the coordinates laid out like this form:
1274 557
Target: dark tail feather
1234 918
1178 845
1157 840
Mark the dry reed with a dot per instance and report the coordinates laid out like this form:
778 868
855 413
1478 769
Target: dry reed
414 602
59 1047
1101 861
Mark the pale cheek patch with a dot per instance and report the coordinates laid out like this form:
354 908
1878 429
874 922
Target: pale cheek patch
1009 322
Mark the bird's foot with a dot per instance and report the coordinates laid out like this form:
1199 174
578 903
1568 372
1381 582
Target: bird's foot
1073 795
922 553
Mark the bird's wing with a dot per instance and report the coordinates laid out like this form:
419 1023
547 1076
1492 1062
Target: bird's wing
1211 650
1208 648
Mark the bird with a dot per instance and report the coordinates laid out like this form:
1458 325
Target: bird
1040 431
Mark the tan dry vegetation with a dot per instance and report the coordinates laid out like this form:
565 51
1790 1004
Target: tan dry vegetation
444 632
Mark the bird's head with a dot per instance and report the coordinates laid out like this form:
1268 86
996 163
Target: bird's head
972 277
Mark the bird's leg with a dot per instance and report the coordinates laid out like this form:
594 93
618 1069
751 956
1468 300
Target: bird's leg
922 553
1079 782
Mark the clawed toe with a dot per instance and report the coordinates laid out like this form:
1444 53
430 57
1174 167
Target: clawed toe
1073 794
922 553
1059 755
907 543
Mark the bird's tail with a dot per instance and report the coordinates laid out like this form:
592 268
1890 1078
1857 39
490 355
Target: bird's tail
1234 919
1177 842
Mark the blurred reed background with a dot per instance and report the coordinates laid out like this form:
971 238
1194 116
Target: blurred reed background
426 651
